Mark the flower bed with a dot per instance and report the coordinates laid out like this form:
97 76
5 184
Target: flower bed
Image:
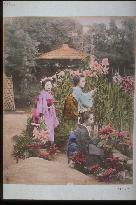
120 140
33 142
111 168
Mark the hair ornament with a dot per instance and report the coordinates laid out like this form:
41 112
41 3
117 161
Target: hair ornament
44 79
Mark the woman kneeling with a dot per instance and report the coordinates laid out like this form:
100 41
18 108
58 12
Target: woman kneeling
87 141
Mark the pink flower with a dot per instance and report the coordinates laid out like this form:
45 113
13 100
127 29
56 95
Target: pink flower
126 83
94 74
105 62
105 70
92 61
35 132
127 143
41 135
61 74
99 68
86 73
123 134
117 78
77 73
95 65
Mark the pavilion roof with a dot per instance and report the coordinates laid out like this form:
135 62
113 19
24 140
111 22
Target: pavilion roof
65 52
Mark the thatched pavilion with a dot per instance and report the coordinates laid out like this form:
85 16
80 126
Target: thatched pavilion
59 59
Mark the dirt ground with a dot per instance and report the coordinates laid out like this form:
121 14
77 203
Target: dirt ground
35 170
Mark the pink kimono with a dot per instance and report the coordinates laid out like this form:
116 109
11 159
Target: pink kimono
46 107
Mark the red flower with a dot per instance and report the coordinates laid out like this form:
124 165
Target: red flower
107 172
106 130
78 159
127 84
43 154
127 143
120 133
93 168
87 73
53 149
33 146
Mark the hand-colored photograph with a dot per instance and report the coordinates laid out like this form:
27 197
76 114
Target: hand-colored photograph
68 100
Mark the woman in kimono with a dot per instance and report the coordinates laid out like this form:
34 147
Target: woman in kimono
87 140
46 108
84 100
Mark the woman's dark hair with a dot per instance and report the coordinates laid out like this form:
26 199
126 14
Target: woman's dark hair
84 116
76 80
44 82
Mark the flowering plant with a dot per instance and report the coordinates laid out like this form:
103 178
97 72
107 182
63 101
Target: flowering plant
78 159
126 83
41 135
49 152
115 163
93 168
106 175
106 131
99 68
34 145
53 150
110 138
108 170
40 132
94 69
43 154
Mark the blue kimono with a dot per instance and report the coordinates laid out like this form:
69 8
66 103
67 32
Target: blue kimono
85 100
71 145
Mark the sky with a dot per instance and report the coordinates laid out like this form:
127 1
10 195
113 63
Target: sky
91 20
85 21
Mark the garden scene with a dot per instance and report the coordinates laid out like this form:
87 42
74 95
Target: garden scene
50 139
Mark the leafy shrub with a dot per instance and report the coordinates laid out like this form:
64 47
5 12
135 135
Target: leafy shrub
20 146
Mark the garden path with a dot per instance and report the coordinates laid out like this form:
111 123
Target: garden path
35 170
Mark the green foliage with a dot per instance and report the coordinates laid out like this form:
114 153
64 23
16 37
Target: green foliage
60 92
116 43
30 93
26 37
62 131
111 104
84 64
21 141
